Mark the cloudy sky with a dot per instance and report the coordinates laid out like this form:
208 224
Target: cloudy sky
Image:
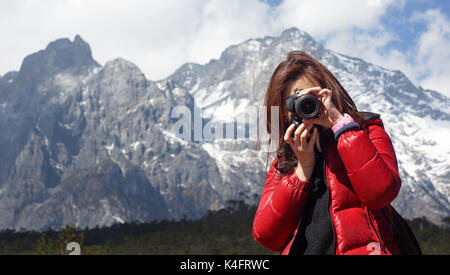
159 36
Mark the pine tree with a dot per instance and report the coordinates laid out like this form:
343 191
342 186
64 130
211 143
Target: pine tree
41 247
59 246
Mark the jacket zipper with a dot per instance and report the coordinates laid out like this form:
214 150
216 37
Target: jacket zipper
329 202
376 232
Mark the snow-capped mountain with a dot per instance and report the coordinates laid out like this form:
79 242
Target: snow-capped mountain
417 120
88 145
84 144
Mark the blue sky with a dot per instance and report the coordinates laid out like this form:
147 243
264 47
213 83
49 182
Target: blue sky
409 31
159 36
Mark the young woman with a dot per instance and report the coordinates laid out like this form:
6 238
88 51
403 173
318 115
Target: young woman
336 199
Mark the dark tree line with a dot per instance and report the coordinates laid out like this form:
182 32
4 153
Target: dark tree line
227 231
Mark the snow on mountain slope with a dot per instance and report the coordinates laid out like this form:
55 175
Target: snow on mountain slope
417 120
93 145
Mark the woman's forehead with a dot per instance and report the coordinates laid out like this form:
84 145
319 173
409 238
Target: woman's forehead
303 83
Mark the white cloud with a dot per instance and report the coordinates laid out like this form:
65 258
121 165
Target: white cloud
159 36
324 18
228 22
153 34
360 43
369 45
433 51
426 63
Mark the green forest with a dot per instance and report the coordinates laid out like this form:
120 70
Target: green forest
224 232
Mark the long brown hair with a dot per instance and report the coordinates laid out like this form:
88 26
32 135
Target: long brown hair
297 65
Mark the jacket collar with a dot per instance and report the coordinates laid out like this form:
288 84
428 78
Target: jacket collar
370 119
369 115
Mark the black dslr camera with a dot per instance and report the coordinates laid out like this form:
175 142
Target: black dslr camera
306 106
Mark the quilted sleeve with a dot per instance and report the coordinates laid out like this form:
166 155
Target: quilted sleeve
371 164
279 209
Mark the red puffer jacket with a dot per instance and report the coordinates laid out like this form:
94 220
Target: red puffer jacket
362 177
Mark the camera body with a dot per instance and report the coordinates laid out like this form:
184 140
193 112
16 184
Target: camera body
306 106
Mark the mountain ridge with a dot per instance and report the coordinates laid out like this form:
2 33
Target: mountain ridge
83 116
398 97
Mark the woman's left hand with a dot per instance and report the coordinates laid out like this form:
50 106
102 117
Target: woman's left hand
330 114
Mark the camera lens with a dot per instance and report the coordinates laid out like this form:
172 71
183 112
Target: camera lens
307 106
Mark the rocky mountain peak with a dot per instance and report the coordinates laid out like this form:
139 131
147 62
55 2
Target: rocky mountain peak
120 65
121 81
294 33
59 55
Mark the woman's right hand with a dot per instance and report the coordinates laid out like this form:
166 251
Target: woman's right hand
303 149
